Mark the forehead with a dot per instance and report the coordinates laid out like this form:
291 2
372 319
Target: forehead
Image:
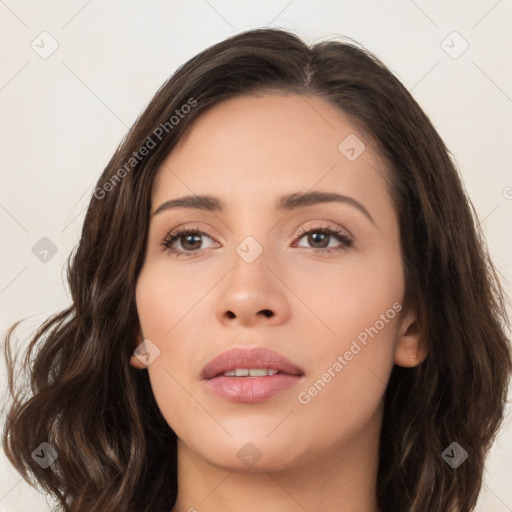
258 145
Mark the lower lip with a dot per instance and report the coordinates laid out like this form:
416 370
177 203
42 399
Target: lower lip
251 390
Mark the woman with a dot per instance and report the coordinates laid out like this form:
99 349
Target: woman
280 301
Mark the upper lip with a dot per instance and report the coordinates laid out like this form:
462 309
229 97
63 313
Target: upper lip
249 358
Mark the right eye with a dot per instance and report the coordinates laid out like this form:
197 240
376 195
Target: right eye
188 238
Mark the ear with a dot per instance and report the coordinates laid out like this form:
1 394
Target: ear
410 349
134 360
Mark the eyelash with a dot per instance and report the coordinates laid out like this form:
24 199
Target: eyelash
332 231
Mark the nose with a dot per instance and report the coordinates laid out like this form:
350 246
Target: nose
252 294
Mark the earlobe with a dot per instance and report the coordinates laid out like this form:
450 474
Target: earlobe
410 350
134 360
137 363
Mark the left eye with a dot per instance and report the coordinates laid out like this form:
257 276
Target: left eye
190 240
323 236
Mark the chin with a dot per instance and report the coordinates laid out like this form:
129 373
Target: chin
248 455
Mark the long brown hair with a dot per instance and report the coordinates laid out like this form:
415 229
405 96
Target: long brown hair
115 450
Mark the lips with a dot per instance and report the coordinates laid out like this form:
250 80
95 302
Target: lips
250 375
250 359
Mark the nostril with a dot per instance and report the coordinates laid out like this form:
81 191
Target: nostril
230 314
267 312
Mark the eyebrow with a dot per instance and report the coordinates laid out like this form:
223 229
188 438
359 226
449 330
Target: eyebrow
287 202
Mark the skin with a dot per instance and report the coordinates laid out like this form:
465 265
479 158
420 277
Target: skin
249 151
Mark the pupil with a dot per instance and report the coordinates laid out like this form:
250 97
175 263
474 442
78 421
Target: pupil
313 237
187 238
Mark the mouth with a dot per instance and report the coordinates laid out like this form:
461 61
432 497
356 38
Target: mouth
250 375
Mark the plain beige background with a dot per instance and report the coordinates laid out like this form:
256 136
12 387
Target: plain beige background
74 75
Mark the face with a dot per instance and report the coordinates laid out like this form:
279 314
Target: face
270 263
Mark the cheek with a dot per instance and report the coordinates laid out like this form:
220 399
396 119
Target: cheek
174 400
172 318
359 305
167 317
164 297
348 380
345 299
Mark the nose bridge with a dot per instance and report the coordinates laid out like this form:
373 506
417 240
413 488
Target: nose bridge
250 273
252 236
